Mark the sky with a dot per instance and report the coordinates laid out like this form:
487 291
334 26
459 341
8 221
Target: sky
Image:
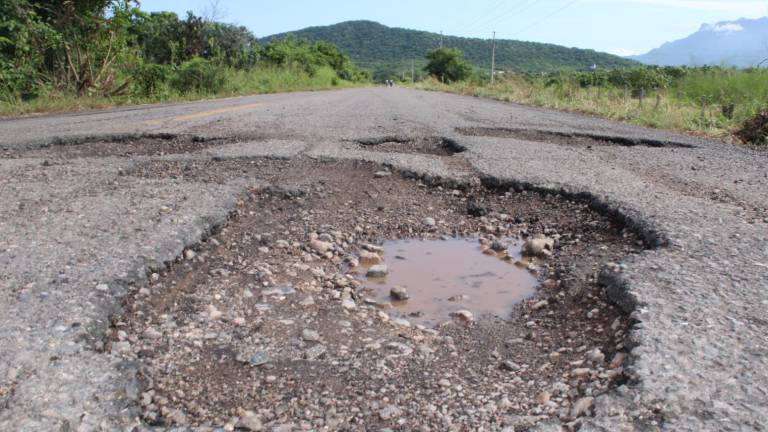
622 27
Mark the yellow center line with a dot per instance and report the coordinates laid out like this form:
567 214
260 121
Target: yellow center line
201 114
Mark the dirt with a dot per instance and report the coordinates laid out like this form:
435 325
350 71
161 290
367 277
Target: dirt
261 324
438 146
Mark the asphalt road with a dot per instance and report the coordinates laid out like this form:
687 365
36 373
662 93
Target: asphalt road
75 234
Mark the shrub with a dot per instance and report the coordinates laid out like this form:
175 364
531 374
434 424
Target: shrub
199 75
447 64
149 79
755 129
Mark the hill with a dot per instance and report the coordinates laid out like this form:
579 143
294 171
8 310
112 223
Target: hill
741 43
380 48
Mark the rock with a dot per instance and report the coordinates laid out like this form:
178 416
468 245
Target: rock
596 356
428 221
582 407
213 313
543 397
581 372
458 298
307 301
315 352
389 412
510 366
348 303
377 271
320 246
498 246
152 333
370 258
102 287
540 305
463 315
444 383
380 174
539 246
373 248
476 210
310 335
618 360
249 421
282 244
399 293
260 358
189 254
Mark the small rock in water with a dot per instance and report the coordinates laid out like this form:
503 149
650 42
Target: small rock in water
378 270
458 298
370 258
399 293
498 246
539 246
463 315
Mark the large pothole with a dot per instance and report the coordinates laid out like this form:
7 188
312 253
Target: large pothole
568 138
263 324
431 145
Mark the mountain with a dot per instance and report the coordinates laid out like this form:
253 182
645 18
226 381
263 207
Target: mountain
378 47
741 43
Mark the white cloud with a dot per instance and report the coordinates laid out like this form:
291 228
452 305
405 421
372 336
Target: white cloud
744 7
726 28
624 52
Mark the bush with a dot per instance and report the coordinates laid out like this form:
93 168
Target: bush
149 79
199 75
755 130
447 64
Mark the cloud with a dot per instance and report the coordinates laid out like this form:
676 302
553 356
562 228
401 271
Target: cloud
745 7
726 28
624 52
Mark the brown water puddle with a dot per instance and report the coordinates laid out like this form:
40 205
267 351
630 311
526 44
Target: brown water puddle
445 276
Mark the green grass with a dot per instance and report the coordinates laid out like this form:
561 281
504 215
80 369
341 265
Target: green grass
237 82
678 107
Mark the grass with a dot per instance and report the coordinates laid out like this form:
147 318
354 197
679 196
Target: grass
679 107
236 82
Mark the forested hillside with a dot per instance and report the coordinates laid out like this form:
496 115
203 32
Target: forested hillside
378 47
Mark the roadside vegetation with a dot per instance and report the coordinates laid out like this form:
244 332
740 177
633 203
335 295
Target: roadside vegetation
62 55
718 102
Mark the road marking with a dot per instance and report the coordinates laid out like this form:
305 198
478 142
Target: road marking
201 114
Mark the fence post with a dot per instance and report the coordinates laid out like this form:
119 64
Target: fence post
658 101
703 106
626 94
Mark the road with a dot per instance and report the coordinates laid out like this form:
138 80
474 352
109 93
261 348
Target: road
75 235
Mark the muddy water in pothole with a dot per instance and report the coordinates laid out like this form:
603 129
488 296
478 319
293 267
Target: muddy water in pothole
444 276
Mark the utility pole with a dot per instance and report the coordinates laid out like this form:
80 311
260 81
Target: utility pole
441 38
413 72
493 58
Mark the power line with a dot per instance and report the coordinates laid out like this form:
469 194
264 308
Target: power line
516 9
569 4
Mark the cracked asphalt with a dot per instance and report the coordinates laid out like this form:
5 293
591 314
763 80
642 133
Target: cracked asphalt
76 235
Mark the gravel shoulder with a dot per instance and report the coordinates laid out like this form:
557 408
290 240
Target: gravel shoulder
87 221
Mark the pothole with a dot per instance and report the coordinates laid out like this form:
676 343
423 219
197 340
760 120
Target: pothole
121 146
432 281
264 323
440 146
568 138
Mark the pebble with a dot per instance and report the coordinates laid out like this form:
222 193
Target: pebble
399 293
463 315
320 246
618 360
510 366
315 352
580 372
310 335
348 303
378 270
389 412
444 383
102 287
596 356
543 397
428 221
260 358
249 421
540 305
372 258
582 407
541 247
189 254
307 301
380 174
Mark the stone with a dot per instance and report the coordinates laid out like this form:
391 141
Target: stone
458 298
543 398
320 246
596 356
102 287
389 412
380 174
582 407
444 383
348 303
498 246
249 421
540 305
428 221
618 360
310 335
580 372
315 352
539 246
377 271
307 301
463 315
399 293
370 258
260 358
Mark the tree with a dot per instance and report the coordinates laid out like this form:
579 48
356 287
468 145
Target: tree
447 64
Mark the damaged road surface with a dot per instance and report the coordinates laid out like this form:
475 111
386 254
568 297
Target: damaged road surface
378 259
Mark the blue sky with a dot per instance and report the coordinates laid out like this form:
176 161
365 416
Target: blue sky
616 26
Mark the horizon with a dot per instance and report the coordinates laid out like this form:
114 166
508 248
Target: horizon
620 27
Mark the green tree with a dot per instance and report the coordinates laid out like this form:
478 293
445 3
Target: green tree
447 64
